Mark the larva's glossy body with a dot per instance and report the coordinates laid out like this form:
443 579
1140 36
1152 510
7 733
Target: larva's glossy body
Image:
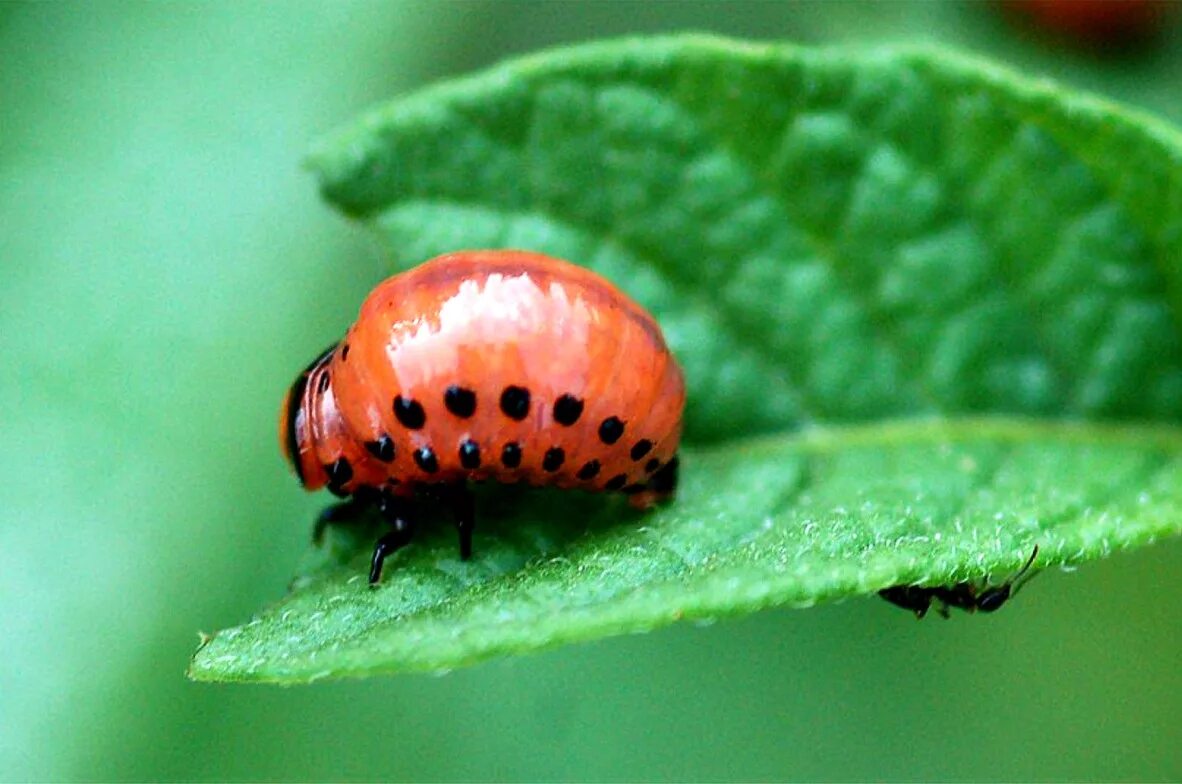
489 365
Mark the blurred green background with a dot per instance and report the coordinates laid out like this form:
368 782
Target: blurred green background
167 267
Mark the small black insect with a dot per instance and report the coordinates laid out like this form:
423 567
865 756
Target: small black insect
970 597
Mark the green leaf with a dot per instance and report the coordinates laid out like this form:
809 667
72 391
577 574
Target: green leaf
786 520
831 239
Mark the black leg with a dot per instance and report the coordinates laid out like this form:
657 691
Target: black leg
398 513
458 498
463 505
664 481
348 511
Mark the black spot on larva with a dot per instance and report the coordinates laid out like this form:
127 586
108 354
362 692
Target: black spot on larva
616 482
515 402
589 470
344 352
633 489
339 473
567 410
665 480
652 465
382 449
322 385
610 430
460 401
553 459
425 459
409 413
641 448
511 455
470 454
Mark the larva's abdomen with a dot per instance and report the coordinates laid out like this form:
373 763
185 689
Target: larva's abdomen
500 365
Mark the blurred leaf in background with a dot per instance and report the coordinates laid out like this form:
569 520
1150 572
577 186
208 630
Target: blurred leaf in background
167 267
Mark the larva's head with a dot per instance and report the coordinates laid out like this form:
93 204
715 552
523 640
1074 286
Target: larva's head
297 432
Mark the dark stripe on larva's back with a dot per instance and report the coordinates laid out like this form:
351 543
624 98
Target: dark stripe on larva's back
320 359
295 404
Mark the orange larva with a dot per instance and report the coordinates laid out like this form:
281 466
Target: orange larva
486 365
